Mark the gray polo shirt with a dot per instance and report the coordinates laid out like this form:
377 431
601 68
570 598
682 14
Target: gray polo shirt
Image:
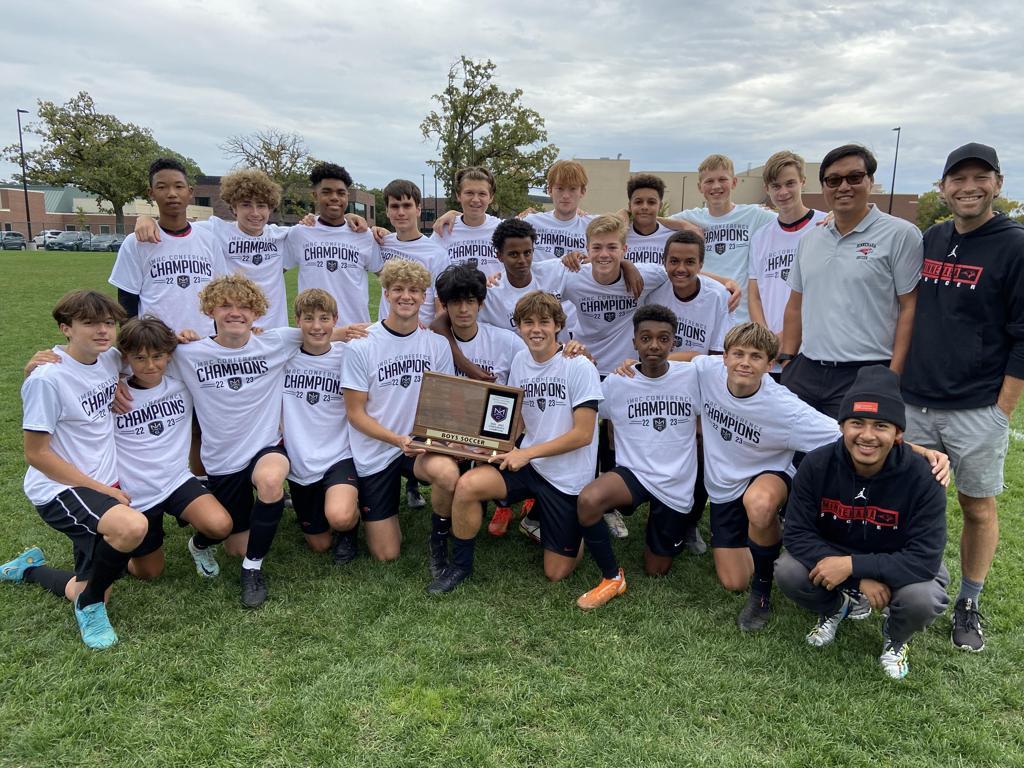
850 284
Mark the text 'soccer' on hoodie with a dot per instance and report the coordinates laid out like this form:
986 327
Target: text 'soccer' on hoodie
893 524
969 321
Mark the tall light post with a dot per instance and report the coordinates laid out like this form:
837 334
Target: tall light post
895 160
24 178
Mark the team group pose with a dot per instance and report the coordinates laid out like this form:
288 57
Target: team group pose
806 374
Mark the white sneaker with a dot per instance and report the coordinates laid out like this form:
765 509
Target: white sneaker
531 528
824 631
205 560
616 525
894 657
860 607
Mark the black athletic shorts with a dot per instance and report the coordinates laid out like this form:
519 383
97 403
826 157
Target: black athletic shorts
174 505
729 522
560 530
235 491
308 500
76 513
379 493
665 535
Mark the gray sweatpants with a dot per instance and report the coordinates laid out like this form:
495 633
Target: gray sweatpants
911 608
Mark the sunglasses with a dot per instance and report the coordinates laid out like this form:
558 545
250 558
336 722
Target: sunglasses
835 180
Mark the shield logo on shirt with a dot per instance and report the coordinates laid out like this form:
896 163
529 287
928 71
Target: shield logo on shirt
609 317
559 251
156 428
312 398
235 382
184 281
784 274
332 266
726 434
719 248
542 403
474 263
659 424
499 412
257 259
405 381
679 341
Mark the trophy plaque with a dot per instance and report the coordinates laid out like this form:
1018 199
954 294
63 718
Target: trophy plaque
465 418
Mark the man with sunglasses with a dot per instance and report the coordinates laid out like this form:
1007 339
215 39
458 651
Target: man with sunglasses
854 287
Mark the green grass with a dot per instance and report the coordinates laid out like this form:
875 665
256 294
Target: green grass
358 667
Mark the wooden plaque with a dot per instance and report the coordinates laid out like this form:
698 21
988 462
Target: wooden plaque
466 418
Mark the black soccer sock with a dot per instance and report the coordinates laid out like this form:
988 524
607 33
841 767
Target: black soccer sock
605 448
700 497
764 568
51 579
462 553
107 566
202 541
440 528
600 545
263 527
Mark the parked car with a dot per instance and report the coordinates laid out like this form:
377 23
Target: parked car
12 241
101 242
45 236
115 245
69 241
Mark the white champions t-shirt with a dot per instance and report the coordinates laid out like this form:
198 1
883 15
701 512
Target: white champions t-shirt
493 349
772 249
168 276
702 319
467 245
553 389
260 258
605 312
389 367
71 402
153 442
655 428
337 260
647 249
315 424
423 250
555 237
727 242
744 437
237 394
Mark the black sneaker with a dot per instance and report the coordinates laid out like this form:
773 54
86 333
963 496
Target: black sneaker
967 634
254 588
755 613
343 548
694 541
413 498
447 580
438 556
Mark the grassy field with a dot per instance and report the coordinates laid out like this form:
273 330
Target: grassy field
358 667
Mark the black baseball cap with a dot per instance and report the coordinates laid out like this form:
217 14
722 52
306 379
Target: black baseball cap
972 151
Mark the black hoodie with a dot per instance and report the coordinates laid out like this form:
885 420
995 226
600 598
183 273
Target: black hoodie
969 322
893 524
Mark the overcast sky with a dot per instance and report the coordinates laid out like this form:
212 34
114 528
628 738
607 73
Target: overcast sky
661 85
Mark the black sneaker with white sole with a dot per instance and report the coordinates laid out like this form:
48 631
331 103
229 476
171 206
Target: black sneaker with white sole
413 498
254 588
967 634
755 613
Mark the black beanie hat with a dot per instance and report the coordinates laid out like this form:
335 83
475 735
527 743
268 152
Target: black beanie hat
875 394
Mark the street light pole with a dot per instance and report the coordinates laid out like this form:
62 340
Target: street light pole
24 178
895 160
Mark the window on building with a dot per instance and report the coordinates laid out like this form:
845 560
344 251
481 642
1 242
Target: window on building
428 216
104 229
7 227
359 208
69 227
203 201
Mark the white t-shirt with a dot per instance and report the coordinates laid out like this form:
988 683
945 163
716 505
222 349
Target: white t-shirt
655 428
702 319
605 312
647 249
315 423
389 368
553 389
500 304
153 442
493 349
467 245
727 242
168 276
260 258
555 237
772 249
71 402
744 437
335 259
423 250
237 394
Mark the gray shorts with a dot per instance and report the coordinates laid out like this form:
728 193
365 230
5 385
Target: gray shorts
976 440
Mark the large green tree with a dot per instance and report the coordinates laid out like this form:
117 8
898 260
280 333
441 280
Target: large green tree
478 123
283 156
932 208
96 152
